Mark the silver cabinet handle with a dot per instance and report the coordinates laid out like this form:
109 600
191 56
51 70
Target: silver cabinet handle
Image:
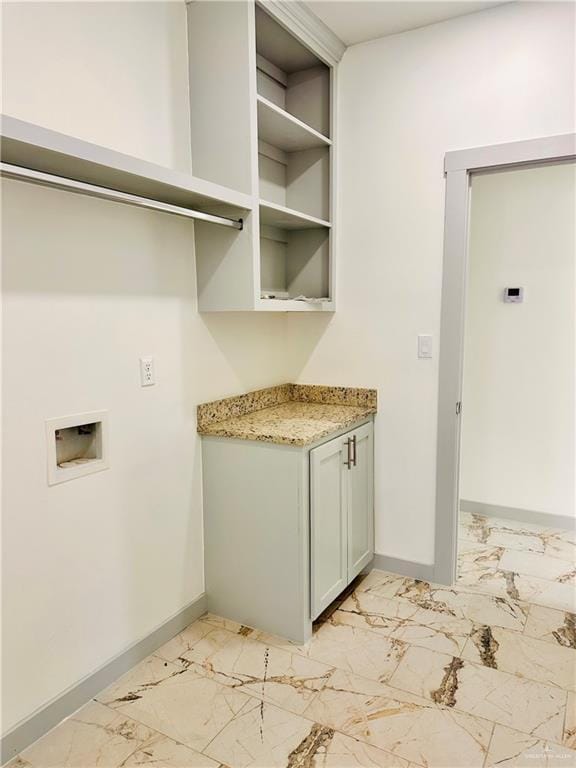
354 455
350 457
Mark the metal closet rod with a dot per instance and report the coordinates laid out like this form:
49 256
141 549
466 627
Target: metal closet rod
83 188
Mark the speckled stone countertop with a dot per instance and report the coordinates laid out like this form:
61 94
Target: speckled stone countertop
290 414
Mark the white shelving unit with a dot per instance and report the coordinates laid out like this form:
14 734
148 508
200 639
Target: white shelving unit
274 141
262 140
40 149
71 163
294 107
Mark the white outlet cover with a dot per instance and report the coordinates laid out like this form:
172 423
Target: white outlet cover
147 375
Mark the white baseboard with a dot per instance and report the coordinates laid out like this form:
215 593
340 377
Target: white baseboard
520 515
420 571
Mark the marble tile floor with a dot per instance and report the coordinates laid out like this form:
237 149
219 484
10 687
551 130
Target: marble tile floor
398 674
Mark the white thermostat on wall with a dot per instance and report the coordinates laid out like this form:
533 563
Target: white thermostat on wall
513 295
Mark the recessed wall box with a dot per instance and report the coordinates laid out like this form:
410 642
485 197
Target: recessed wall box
77 445
513 295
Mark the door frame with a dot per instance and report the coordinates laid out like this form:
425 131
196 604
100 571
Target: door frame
458 169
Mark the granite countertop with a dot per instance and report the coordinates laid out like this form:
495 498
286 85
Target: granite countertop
290 414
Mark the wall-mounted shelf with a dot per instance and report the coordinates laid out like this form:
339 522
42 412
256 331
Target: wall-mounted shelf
274 215
41 149
268 169
290 305
284 131
276 145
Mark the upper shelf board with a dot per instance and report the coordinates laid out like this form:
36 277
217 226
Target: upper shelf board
283 130
42 149
291 305
285 218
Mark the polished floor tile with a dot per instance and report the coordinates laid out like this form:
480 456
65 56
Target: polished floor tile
264 736
510 584
484 692
354 649
541 566
473 552
461 602
524 656
184 641
98 736
513 749
552 625
286 678
399 673
229 624
401 620
409 726
561 544
177 701
165 753
569 737
515 535
381 583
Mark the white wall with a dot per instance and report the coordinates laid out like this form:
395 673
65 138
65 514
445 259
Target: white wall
93 565
113 73
495 76
518 418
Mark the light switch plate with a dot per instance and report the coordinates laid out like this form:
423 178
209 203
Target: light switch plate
424 346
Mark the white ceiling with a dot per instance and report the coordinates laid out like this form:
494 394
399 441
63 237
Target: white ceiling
355 21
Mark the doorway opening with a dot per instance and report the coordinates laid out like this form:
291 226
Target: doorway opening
508 278
517 459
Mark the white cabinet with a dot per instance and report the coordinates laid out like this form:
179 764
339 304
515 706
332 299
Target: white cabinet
341 514
328 524
286 527
361 502
263 118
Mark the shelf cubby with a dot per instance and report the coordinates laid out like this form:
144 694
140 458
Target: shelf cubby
294 262
291 76
296 180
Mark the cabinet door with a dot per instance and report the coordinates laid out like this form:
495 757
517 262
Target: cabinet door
329 535
360 495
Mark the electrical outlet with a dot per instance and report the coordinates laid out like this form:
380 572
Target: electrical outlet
147 378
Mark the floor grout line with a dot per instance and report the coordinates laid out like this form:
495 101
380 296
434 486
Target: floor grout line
314 721
526 608
489 745
428 703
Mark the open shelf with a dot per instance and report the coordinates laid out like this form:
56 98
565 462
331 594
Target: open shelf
294 263
274 215
298 181
290 305
290 76
41 149
284 131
